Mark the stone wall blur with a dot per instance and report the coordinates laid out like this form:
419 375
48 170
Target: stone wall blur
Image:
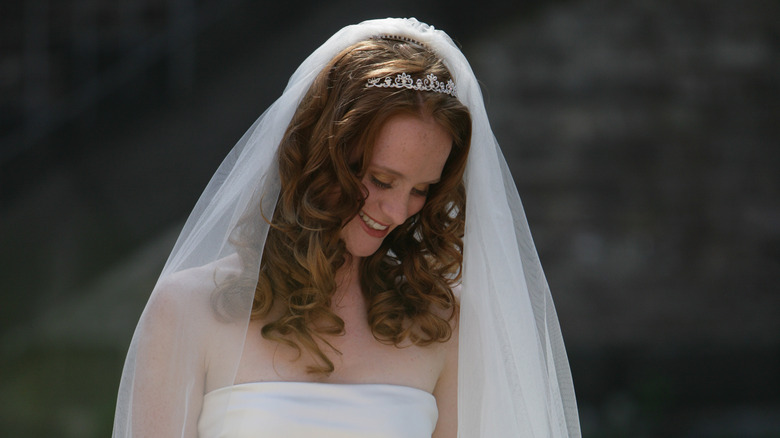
643 140
643 137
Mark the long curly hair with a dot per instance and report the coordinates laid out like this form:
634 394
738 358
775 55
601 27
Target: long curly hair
322 158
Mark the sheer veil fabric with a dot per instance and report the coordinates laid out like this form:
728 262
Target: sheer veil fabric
514 378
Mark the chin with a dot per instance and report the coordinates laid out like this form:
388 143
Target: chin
361 251
358 243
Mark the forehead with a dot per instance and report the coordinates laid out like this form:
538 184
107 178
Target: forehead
415 147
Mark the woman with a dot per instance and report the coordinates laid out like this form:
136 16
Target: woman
313 290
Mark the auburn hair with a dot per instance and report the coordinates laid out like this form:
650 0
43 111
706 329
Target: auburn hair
322 159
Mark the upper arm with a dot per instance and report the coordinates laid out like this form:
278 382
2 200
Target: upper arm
168 381
446 391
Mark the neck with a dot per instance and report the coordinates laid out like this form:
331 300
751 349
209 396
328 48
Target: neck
348 282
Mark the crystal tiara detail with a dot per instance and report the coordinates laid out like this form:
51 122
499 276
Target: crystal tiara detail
403 80
400 38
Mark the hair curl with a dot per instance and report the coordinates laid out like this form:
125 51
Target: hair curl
323 156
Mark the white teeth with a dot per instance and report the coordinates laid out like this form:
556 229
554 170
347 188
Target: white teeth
371 223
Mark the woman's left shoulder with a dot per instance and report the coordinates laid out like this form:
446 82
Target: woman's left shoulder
450 314
446 390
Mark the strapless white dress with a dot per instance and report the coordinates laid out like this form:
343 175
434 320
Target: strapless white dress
311 410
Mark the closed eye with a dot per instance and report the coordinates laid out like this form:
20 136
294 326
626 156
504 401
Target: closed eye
379 183
421 192
385 185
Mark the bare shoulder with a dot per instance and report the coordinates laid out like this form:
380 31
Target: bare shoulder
197 280
180 309
188 292
449 346
450 314
175 340
446 390
180 312
454 319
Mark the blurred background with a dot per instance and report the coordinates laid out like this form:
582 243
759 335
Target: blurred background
643 137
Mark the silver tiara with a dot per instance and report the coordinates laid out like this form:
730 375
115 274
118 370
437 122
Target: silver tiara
403 80
400 38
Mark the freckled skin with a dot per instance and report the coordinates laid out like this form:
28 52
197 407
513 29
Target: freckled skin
409 155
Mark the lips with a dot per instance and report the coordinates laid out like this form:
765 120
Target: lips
372 227
372 223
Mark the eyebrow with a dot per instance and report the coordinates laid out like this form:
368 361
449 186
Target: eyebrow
400 175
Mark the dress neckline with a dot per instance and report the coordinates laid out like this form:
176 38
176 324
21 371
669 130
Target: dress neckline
270 384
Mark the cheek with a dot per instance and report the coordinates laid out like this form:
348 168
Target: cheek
416 204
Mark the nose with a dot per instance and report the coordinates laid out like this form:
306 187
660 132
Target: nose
396 207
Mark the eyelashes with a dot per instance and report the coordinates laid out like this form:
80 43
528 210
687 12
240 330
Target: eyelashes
423 193
379 183
385 185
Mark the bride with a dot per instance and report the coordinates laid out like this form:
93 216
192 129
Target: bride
359 266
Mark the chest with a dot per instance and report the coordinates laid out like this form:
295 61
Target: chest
360 359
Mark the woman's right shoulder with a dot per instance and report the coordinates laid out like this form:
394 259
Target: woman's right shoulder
186 295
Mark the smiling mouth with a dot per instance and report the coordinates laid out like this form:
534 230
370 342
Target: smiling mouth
374 225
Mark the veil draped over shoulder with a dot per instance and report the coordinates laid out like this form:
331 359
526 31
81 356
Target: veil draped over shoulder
514 378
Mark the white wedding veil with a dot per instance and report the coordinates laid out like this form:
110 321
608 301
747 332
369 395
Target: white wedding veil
513 376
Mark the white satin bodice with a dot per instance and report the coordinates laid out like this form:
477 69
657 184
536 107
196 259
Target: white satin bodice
323 410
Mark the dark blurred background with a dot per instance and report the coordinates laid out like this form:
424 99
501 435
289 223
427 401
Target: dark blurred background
643 136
